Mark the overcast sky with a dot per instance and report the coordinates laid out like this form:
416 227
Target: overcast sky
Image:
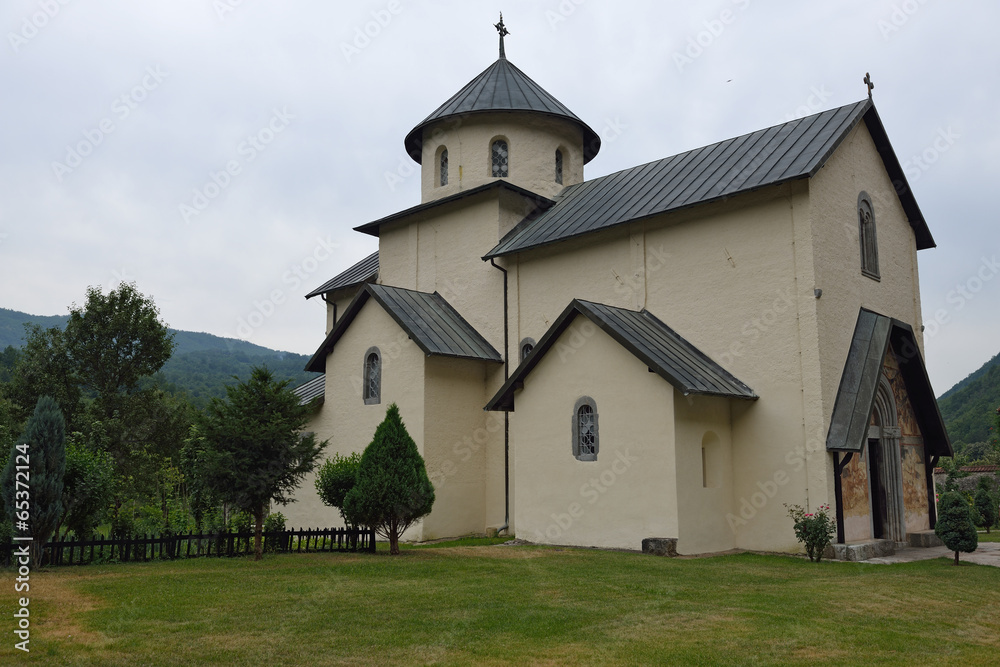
117 114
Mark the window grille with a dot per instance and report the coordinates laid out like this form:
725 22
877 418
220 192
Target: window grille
500 159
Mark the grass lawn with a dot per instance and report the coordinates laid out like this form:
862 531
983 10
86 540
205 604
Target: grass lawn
510 605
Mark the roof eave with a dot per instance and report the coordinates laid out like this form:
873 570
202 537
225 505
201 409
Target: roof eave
372 228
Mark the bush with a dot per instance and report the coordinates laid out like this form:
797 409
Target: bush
274 523
815 530
335 479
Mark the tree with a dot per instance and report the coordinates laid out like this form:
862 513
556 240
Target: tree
115 341
87 487
43 368
254 448
393 490
986 502
336 477
955 526
33 497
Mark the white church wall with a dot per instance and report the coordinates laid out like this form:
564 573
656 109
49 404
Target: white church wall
346 420
630 491
704 474
724 276
458 440
833 192
442 253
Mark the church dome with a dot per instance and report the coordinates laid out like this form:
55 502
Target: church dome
502 87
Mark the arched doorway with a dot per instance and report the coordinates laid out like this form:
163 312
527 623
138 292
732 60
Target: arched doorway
885 473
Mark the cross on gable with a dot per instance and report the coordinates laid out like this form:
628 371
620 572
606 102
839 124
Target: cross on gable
868 82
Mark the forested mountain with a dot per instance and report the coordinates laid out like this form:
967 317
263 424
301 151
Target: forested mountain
201 365
969 408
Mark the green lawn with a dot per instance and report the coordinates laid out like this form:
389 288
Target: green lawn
510 605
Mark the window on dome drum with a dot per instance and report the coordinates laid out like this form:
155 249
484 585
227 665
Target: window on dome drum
869 240
585 430
498 159
527 345
559 167
444 168
372 392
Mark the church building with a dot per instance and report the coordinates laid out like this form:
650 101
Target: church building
676 350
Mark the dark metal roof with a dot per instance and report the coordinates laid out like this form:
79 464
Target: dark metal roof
852 410
662 349
427 319
311 390
538 200
794 150
501 87
363 271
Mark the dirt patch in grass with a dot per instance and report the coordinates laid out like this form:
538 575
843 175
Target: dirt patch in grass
64 606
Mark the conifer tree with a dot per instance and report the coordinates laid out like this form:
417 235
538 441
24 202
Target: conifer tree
254 448
393 490
986 502
955 526
34 505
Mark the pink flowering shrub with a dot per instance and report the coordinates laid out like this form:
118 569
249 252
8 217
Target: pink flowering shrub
815 529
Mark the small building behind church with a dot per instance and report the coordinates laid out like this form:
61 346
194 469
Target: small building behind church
676 350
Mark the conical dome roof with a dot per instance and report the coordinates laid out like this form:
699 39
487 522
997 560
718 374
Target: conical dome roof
502 87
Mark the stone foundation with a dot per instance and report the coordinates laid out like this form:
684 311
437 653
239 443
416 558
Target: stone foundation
660 546
924 539
858 551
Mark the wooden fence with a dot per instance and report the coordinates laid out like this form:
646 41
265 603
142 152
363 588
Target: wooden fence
151 547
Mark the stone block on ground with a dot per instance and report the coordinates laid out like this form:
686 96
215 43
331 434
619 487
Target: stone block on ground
660 546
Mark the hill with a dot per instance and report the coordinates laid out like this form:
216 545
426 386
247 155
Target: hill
201 366
969 407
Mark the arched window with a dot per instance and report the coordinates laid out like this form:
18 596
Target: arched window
527 345
372 392
443 168
499 159
869 240
559 166
585 430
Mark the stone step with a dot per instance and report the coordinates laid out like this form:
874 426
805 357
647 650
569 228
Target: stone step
924 539
858 551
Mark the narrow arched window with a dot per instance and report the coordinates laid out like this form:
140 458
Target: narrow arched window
869 239
372 392
499 159
559 167
444 168
527 345
585 430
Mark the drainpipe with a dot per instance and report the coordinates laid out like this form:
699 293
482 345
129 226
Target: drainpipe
506 414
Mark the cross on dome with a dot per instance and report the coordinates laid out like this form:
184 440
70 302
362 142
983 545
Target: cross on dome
502 29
